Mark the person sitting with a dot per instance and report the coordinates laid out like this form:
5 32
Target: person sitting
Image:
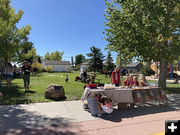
84 76
77 78
136 83
104 104
126 81
93 76
131 81
143 82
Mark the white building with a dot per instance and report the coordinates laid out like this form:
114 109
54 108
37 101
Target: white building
84 66
58 66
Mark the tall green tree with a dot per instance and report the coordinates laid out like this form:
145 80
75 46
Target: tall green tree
31 56
25 48
54 55
79 59
96 59
109 61
39 59
148 28
12 38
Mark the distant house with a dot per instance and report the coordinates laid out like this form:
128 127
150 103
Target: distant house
134 67
58 66
84 66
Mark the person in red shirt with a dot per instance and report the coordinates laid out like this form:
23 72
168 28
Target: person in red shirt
126 82
115 77
131 81
143 82
136 83
105 72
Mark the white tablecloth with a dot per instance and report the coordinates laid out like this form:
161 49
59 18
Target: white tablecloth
117 95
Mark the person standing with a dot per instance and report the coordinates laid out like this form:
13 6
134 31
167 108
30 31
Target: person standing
115 76
26 68
105 72
14 71
9 74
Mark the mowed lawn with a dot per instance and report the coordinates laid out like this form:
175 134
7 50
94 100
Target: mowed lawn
73 89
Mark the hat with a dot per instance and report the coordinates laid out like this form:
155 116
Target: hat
106 109
25 61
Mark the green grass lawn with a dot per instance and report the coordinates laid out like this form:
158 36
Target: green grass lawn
73 89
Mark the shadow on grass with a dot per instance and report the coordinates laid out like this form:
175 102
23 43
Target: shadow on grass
171 90
15 119
30 91
14 94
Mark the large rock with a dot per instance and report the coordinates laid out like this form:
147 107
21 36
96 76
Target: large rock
54 91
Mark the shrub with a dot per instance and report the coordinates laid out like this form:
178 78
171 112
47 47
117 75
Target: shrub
49 69
147 71
77 68
37 66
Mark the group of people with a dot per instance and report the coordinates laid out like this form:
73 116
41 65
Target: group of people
104 103
10 72
132 81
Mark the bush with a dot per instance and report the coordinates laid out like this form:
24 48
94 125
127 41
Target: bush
147 71
49 69
77 68
37 67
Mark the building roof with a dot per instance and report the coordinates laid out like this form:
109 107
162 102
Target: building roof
84 63
56 62
133 65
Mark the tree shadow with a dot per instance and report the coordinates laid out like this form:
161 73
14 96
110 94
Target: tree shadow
171 90
15 94
17 120
30 91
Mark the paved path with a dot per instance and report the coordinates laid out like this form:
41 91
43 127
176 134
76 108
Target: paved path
68 118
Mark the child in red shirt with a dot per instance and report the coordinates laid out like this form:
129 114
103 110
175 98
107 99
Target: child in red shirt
126 82
143 81
136 83
131 81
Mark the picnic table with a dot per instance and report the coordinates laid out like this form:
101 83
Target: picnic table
125 96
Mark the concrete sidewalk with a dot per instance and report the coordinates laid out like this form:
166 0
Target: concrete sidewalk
69 118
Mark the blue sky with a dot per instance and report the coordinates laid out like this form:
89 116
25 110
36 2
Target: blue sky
72 26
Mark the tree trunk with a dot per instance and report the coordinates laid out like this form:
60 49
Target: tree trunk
0 64
6 61
163 74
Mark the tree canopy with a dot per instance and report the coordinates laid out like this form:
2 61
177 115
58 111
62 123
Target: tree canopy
54 55
79 59
12 39
109 61
147 28
96 59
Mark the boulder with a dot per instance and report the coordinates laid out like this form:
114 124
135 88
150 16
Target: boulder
54 91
